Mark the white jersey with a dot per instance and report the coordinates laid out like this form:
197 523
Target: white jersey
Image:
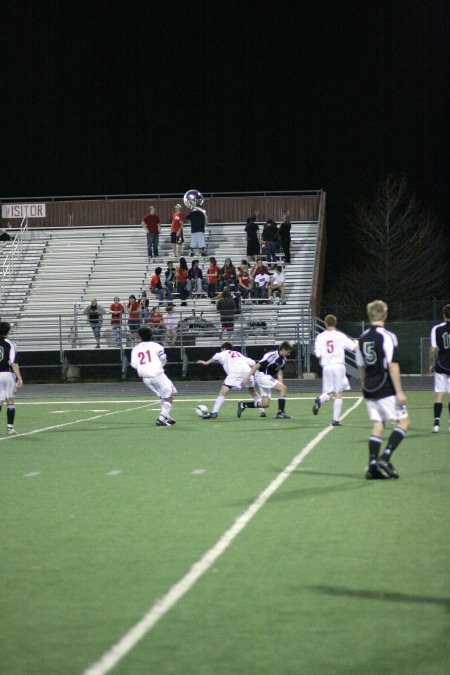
330 347
233 362
148 358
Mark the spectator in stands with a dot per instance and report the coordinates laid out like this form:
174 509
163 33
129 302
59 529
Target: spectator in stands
170 277
213 274
94 313
134 317
284 233
245 282
270 238
181 279
170 324
156 287
152 225
228 275
226 307
259 268
195 279
4 236
145 304
155 321
198 220
261 285
252 234
277 282
116 309
176 229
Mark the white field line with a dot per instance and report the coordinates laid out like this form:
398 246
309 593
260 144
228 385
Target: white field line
84 419
210 397
128 641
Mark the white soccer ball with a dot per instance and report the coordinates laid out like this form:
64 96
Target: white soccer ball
201 410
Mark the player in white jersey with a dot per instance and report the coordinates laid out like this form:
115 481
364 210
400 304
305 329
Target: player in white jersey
236 366
329 347
10 376
149 359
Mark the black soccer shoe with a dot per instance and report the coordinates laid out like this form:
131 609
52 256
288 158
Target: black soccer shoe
372 473
281 415
240 408
210 416
162 423
171 421
316 405
387 468
336 423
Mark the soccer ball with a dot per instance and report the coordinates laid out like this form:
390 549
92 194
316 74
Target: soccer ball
201 410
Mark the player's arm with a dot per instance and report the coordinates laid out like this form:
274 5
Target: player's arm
432 358
206 363
253 370
280 376
394 372
16 371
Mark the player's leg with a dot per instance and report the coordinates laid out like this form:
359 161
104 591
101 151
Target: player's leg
399 414
438 405
375 441
218 403
282 389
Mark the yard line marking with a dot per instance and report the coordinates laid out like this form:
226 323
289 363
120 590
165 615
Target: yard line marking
67 424
128 641
209 397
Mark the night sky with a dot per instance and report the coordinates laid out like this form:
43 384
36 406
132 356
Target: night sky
128 98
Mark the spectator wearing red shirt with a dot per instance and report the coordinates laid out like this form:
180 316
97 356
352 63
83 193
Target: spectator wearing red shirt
156 287
116 309
176 229
134 317
259 268
245 282
181 277
155 321
213 274
228 275
152 225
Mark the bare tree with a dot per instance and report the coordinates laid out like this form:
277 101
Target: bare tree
400 254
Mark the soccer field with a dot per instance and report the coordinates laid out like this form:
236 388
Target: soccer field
227 546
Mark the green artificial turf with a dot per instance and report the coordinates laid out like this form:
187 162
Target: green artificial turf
334 574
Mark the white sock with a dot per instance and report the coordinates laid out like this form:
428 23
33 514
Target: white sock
220 400
337 407
166 407
323 398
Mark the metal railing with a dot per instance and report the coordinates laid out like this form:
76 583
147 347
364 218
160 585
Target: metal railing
11 261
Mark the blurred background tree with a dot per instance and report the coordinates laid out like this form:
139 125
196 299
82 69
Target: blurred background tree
399 253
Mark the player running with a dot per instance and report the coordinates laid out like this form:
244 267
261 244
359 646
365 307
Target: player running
10 377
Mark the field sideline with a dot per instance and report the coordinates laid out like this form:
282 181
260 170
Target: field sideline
256 552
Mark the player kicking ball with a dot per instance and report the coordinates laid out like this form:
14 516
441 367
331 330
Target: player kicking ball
149 359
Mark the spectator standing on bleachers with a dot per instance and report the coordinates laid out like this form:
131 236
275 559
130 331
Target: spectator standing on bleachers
181 279
155 321
170 324
277 282
4 236
284 233
169 281
252 234
145 304
245 282
152 225
213 274
198 220
270 238
116 309
156 287
226 307
195 279
134 317
228 275
94 313
176 229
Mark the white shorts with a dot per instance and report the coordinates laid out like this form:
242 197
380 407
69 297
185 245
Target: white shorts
334 379
442 383
234 380
265 384
7 385
161 385
385 409
198 240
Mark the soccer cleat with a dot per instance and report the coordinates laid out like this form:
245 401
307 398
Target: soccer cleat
240 408
372 473
262 414
210 416
281 415
336 423
387 468
170 420
162 422
12 431
435 429
316 405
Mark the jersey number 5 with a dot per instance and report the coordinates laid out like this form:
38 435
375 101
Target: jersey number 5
370 355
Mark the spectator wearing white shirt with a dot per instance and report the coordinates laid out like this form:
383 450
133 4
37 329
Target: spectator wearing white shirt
261 285
277 283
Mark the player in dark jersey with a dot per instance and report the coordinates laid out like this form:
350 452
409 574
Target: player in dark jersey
268 374
440 365
10 377
377 361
